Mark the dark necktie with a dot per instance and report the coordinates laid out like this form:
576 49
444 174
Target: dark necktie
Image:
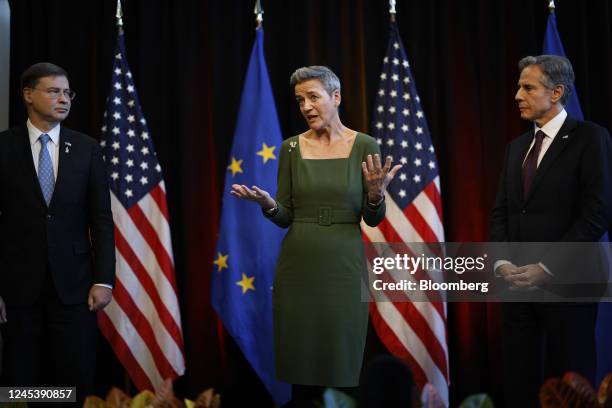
531 163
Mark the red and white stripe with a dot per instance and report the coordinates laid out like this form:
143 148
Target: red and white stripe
414 331
143 322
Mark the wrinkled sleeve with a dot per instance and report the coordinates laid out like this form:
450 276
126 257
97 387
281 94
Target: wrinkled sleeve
372 215
101 226
284 216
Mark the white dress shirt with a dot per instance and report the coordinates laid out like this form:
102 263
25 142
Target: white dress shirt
52 145
550 130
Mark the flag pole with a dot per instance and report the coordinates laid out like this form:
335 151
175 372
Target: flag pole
551 6
119 16
258 13
392 10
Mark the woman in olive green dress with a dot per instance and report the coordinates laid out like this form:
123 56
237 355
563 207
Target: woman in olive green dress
330 177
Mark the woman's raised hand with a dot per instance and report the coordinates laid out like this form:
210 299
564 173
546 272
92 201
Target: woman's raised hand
255 194
378 177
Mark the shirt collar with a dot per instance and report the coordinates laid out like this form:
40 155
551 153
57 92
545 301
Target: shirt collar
34 133
552 127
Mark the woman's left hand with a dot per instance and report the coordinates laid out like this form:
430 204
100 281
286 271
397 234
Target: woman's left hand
377 177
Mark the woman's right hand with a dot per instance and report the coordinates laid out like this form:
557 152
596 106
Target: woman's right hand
255 193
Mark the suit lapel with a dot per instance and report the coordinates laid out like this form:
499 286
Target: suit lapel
25 150
63 166
561 140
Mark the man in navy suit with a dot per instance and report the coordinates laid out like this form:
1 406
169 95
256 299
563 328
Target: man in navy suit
554 188
57 255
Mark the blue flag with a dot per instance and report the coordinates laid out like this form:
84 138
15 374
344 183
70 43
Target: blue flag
603 330
249 244
553 46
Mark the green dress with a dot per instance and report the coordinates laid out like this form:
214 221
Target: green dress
320 321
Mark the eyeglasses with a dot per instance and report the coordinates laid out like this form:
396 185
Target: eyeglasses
54 93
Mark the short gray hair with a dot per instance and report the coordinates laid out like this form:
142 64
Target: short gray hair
326 76
556 70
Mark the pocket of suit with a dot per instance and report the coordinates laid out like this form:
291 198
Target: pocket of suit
81 248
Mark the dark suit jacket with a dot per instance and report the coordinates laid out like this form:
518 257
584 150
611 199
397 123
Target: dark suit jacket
73 238
569 200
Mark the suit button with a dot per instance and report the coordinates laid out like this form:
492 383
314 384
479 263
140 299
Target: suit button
49 216
523 211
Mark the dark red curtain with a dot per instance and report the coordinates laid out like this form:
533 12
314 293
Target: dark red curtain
189 58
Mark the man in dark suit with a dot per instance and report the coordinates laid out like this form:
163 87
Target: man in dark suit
57 255
554 188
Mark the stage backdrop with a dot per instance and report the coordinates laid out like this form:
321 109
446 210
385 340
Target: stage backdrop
189 59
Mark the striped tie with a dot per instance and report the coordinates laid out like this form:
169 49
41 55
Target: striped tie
45 169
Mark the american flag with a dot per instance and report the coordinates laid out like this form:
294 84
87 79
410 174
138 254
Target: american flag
413 331
142 323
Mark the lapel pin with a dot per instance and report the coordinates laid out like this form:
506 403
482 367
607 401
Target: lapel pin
68 146
564 137
292 145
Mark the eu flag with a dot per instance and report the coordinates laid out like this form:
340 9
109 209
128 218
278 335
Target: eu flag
553 46
603 329
249 244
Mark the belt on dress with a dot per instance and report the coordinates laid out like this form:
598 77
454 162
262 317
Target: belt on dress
326 216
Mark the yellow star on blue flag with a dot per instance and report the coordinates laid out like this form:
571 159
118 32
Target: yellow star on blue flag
246 283
267 153
235 166
221 261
